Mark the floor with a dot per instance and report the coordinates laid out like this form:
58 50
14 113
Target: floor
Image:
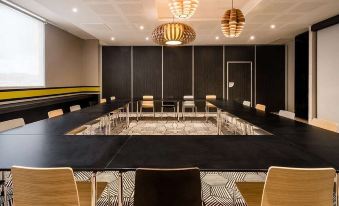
164 124
217 187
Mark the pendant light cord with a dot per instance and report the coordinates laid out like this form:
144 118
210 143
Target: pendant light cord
232 4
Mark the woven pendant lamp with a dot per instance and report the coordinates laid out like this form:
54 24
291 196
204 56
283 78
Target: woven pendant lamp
172 34
233 22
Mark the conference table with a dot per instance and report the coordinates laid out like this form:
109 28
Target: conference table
46 144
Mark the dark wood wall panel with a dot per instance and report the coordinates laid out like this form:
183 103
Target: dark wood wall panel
116 72
301 75
271 77
240 53
208 72
147 71
177 71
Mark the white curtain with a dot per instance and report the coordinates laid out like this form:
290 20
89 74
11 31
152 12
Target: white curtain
22 45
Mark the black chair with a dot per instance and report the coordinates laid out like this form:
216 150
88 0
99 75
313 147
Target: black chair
168 104
167 187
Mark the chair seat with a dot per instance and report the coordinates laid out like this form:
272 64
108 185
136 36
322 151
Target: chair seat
209 105
251 192
147 105
188 104
168 105
84 191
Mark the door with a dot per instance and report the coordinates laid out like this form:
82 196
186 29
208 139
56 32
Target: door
239 81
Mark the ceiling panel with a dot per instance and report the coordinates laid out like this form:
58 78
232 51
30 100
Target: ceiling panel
103 19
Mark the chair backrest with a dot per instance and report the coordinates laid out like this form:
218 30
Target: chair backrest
179 187
295 186
325 124
188 97
75 108
246 103
287 114
44 186
147 97
55 113
260 107
112 98
11 124
103 100
211 97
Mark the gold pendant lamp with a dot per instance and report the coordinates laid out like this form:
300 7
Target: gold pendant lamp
183 9
233 22
173 34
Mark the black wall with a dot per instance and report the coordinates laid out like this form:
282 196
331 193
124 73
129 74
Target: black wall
116 72
270 76
177 71
181 69
301 75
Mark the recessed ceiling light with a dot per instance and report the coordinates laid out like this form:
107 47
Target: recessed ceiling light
141 27
75 10
272 26
217 38
147 38
112 38
252 37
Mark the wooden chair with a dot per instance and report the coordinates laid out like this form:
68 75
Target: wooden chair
51 186
260 107
167 187
170 104
209 105
325 124
55 113
188 103
291 187
287 114
103 100
246 103
147 103
75 108
11 124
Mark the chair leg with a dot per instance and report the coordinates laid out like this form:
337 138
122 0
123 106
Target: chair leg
183 113
196 110
140 112
153 111
175 114
162 111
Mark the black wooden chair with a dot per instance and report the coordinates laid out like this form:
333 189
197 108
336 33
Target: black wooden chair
168 103
167 187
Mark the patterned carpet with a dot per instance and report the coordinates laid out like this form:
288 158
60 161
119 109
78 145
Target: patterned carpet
162 124
218 188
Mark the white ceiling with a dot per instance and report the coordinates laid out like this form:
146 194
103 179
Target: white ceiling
121 19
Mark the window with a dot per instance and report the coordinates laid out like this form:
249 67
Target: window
22 45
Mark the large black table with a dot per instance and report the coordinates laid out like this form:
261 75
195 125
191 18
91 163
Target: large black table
294 144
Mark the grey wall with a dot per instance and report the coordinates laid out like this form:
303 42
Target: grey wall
69 60
328 73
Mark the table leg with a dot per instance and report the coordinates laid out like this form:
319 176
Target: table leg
137 111
120 190
218 121
127 115
94 189
178 105
4 189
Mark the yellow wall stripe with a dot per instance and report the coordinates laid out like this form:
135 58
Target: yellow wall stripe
29 93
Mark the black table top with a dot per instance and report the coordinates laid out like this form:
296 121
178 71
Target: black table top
294 144
67 122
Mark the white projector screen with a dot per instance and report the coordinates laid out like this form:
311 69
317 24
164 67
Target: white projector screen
21 49
328 73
